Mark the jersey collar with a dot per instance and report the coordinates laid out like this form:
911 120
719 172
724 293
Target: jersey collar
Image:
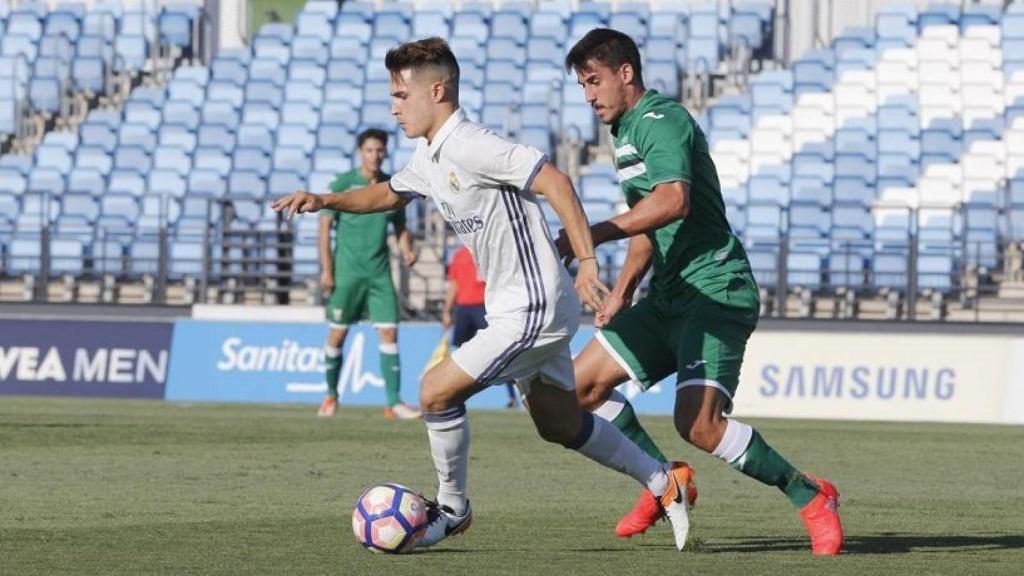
457 117
630 114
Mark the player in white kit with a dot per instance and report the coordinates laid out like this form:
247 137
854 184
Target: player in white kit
485 188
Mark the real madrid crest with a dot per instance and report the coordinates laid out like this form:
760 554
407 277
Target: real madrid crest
453 182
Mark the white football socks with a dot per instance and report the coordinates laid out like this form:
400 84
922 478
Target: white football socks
607 445
448 432
734 442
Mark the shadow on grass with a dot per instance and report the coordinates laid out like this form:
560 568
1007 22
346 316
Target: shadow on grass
884 543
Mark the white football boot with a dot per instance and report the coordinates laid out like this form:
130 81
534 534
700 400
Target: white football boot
677 501
442 523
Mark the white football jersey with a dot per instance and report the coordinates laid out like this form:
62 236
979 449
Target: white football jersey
481 184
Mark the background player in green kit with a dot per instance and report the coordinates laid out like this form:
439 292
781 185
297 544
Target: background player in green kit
357 274
703 302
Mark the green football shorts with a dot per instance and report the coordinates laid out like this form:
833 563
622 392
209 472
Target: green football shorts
702 342
358 298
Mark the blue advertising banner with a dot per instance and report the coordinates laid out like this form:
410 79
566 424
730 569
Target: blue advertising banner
84 358
284 362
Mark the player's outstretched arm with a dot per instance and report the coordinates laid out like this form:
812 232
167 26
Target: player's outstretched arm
405 245
557 188
326 255
638 260
667 203
377 197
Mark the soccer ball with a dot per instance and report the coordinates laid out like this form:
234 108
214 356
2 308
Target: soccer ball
389 518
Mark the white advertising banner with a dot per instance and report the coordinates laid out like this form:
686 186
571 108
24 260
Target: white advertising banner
883 376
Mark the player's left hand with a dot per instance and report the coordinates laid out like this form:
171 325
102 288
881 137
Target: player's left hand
613 304
589 287
298 203
410 258
564 247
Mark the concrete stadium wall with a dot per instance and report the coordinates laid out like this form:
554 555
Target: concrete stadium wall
793 369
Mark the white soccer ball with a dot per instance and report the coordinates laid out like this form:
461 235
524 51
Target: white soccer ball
389 518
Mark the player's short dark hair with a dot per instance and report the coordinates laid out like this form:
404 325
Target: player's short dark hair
607 47
431 52
375 133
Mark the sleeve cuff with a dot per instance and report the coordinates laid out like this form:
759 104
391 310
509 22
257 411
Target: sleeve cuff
406 195
533 174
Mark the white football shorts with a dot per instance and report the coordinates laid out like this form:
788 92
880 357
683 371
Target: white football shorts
505 352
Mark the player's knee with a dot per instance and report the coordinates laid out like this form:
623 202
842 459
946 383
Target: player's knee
555 432
590 395
388 335
432 396
703 433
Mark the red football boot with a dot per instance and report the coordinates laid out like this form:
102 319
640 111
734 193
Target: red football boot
821 517
646 512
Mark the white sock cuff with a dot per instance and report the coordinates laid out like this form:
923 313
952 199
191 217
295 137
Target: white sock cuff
612 407
734 442
391 348
332 352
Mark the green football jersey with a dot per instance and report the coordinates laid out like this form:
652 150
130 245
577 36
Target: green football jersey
657 141
361 240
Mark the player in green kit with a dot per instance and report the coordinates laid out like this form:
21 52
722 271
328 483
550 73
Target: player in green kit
357 274
703 303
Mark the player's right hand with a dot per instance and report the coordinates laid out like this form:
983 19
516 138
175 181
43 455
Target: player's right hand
613 304
298 203
327 281
589 287
446 319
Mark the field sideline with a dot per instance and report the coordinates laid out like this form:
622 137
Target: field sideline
141 487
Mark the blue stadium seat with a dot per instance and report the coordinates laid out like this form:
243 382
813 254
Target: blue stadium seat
174 159
298 136
247 184
118 210
87 181
12 181
252 159
896 24
207 184
46 180
335 136
131 53
89 75
54 157
350 25
804 269
127 182
291 159
264 69
166 183
261 114
282 183
94 157
314 24
132 158
177 136
136 135
581 118
548 25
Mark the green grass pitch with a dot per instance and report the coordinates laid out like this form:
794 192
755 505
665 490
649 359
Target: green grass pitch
141 487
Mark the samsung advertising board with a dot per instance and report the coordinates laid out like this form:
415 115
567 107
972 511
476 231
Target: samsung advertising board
855 376
84 358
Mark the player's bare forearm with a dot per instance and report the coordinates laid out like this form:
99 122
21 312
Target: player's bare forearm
405 241
667 203
449 297
377 197
326 254
557 189
638 260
